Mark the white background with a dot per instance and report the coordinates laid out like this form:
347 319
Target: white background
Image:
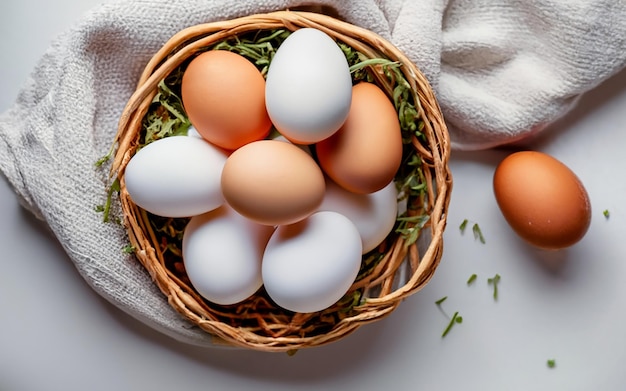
57 334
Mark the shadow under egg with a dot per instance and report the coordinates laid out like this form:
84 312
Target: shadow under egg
553 261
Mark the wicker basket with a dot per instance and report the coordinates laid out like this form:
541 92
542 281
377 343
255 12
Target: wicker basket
400 268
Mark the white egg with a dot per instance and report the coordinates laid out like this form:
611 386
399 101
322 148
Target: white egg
193 132
373 214
176 177
222 254
308 88
308 266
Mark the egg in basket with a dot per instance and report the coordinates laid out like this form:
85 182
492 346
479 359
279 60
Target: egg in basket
283 178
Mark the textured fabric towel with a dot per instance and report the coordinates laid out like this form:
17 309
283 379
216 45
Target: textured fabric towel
502 69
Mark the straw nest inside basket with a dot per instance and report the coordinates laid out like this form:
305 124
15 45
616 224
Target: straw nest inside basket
399 267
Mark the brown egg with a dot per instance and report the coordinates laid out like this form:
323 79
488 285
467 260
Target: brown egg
364 155
224 96
542 199
272 182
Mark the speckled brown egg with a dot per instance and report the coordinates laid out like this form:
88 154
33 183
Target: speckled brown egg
543 201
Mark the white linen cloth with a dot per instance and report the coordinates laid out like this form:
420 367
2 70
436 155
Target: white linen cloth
502 70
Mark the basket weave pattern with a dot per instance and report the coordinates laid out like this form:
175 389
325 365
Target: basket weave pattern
258 323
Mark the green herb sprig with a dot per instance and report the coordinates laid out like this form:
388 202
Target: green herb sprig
258 48
478 234
456 319
106 208
463 226
494 281
167 116
411 226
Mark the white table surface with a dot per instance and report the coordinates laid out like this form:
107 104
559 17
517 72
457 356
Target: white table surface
57 334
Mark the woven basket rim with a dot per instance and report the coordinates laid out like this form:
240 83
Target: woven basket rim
435 155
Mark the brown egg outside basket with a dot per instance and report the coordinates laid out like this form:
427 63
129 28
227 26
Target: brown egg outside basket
401 269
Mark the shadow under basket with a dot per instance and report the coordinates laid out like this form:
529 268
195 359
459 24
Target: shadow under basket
398 268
